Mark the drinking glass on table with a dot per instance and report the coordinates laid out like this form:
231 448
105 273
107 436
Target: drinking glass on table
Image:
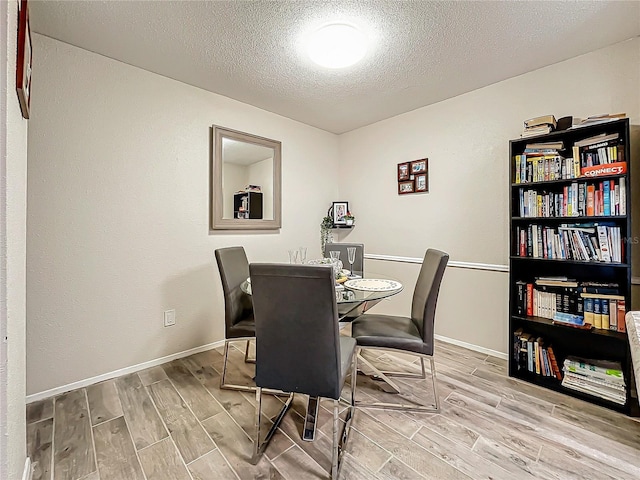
293 256
303 254
351 253
335 258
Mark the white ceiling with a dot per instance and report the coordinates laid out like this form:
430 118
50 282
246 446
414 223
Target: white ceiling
424 51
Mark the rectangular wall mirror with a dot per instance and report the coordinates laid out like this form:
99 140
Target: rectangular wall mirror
245 181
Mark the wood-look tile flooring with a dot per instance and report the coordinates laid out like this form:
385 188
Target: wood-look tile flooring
173 422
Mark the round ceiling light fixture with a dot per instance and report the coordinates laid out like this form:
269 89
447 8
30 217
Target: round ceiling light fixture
337 45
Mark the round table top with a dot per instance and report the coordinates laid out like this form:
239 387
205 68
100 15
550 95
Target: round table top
371 287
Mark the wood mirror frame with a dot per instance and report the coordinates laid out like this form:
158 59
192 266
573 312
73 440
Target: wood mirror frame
217 193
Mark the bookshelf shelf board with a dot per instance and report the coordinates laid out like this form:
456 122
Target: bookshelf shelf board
568 180
594 331
572 262
554 384
607 218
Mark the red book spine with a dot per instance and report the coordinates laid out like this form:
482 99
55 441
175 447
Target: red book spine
530 299
555 369
622 310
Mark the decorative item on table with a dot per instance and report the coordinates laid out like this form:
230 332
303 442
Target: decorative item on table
340 274
373 285
253 188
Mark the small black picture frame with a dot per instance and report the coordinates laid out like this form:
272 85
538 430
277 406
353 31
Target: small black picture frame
338 211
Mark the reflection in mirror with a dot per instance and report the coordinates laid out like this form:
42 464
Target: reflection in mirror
245 188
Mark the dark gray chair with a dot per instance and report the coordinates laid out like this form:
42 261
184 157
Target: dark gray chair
406 334
358 265
238 307
298 346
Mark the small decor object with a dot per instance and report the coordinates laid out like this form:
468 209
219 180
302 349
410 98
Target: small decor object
23 63
413 177
403 171
326 235
419 166
349 218
405 187
339 210
422 183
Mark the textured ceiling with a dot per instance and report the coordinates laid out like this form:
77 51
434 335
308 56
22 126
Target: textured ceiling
423 51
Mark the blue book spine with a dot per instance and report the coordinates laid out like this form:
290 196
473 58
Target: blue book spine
607 202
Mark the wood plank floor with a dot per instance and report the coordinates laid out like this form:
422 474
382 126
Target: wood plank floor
173 422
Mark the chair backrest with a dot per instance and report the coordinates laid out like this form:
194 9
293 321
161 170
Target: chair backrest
425 295
234 269
297 337
358 265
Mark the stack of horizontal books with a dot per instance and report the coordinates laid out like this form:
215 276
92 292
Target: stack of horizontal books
600 378
539 126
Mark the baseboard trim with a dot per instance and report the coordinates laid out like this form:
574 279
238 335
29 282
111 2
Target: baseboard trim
452 263
117 373
471 346
27 473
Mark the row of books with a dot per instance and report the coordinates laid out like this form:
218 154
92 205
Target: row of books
549 166
531 354
579 199
605 311
600 378
599 150
592 157
572 305
595 242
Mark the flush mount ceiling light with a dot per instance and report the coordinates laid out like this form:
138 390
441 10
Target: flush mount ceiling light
337 45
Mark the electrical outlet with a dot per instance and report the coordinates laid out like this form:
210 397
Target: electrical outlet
169 318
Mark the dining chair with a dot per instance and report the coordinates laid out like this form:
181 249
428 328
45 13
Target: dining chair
298 345
413 335
238 307
358 265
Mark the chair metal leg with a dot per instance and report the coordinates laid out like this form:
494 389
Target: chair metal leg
435 408
340 441
435 385
223 375
335 448
246 354
259 448
309 429
378 373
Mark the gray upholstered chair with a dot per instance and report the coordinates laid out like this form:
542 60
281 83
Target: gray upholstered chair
238 307
412 335
298 346
358 265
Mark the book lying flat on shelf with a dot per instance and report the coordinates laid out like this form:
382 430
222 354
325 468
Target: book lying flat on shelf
543 120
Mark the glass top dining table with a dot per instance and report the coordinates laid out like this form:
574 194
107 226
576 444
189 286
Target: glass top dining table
357 290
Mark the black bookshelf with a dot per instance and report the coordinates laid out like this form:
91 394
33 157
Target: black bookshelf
595 343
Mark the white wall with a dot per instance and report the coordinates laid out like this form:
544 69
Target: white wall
118 212
13 165
466 212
